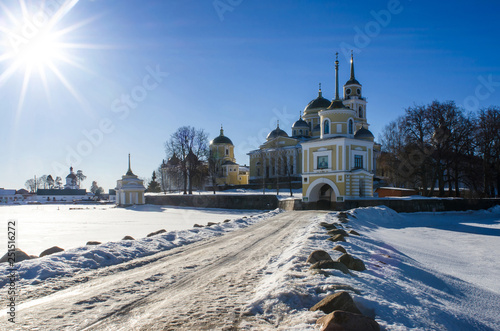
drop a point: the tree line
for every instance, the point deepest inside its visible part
(441, 150)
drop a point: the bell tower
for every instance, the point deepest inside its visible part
(353, 96)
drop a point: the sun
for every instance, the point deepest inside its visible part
(41, 51)
(35, 44)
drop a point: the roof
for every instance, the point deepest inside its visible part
(229, 163)
(276, 133)
(364, 134)
(61, 192)
(300, 123)
(221, 139)
(317, 103)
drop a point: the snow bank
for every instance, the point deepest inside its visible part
(111, 253)
(397, 289)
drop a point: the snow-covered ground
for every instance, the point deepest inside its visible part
(425, 271)
(69, 226)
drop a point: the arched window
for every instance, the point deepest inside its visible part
(300, 132)
(351, 130)
(326, 127)
(360, 112)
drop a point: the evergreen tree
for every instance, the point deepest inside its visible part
(154, 186)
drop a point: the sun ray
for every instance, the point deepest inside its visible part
(26, 80)
(83, 103)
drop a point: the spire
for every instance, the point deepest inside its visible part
(221, 130)
(278, 124)
(320, 94)
(336, 103)
(352, 67)
(129, 172)
(337, 76)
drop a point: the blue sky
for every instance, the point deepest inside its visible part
(240, 63)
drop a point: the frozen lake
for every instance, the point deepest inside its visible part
(68, 226)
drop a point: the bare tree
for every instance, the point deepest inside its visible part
(184, 141)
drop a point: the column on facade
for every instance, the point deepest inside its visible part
(295, 162)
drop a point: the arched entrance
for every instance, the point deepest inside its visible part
(323, 191)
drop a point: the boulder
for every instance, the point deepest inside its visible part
(353, 232)
(317, 256)
(18, 256)
(128, 238)
(52, 250)
(326, 264)
(342, 214)
(351, 262)
(343, 219)
(156, 232)
(337, 301)
(340, 249)
(342, 287)
(328, 226)
(211, 223)
(337, 237)
(227, 221)
(93, 243)
(337, 231)
(198, 226)
(345, 321)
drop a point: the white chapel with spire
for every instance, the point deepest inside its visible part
(130, 189)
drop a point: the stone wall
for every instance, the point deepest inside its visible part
(270, 202)
(223, 201)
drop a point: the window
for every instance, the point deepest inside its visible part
(358, 161)
(351, 127)
(300, 132)
(326, 127)
(227, 151)
(322, 162)
(360, 112)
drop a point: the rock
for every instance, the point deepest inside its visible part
(342, 214)
(325, 264)
(18, 256)
(128, 238)
(351, 262)
(337, 231)
(328, 226)
(343, 219)
(93, 243)
(317, 256)
(340, 249)
(337, 237)
(227, 221)
(198, 226)
(337, 301)
(353, 232)
(346, 321)
(156, 232)
(211, 223)
(52, 250)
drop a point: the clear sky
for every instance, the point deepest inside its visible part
(84, 83)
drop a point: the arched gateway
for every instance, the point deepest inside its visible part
(322, 190)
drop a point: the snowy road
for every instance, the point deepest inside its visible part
(202, 286)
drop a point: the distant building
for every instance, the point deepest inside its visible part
(71, 181)
(228, 172)
(130, 189)
(395, 192)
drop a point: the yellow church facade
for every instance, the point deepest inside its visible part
(227, 171)
(330, 151)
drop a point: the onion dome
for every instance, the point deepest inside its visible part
(71, 174)
(221, 139)
(318, 103)
(299, 124)
(364, 134)
(276, 133)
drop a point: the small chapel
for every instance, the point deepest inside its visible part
(130, 189)
(331, 150)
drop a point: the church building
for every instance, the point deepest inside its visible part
(331, 150)
(223, 163)
(130, 189)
